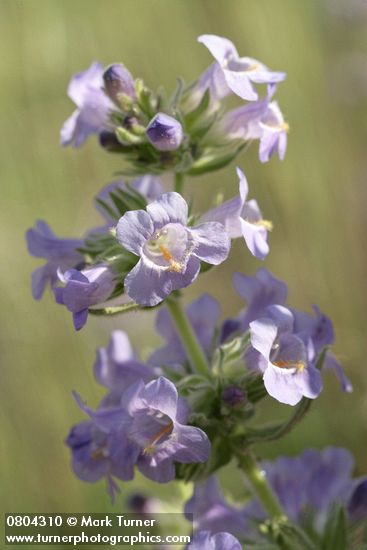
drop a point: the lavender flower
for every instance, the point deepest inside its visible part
(259, 292)
(118, 83)
(243, 218)
(93, 107)
(213, 81)
(274, 135)
(116, 367)
(282, 357)
(203, 315)
(261, 120)
(317, 332)
(97, 454)
(170, 252)
(204, 540)
(59, 253)
(308, 485)
(150, 423)
(165, 132)
(158, 429)
(239, 72)
(83, 289)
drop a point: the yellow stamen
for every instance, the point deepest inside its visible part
(100, 453)
(175, 266)
(299, 365)
(285, 126)
(164, 431)
(266, 224)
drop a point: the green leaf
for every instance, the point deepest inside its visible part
(176, 96)
(193, 116)
(126, 137)
(271, 433)
(212, 160)
(335, 533)
(229, 353)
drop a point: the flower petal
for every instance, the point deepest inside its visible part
(168, 208)
(133, 229)
(212, 243)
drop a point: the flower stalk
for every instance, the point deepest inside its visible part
(259, 486)
(188, 338)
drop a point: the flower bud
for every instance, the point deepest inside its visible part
(118, 82)
(165, 132)
(233, 396)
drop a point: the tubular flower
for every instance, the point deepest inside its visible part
(282, 357)
(240, 73)
(243, 218)
(59, 253)
(93, 107)
(169, 250)
(83, 289)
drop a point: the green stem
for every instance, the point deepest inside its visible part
(179, 181)
(188, 338)
(259, 485)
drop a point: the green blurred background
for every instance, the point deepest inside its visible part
(316, 199)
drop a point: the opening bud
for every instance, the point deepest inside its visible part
(165, 132)
(118, 82)
(232, 396)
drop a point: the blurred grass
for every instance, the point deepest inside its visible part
(316, 199)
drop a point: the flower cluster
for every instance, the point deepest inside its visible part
(187, 132)
(190, 407)
(314, 489)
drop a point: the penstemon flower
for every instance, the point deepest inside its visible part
(243, 218)
(240, 73)
(93, 107)
(59, 253)
(170, 252)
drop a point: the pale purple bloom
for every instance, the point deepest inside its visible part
(151, 419)
(170, 252)
(117, 367)
(308, 485)
(203, 315)
(93, 107)
(317, 332)
(118, 82)
(282, 357)
(211, 512)
(274, 133)
(149, 186)
(259, 292)
(98, 454)
(59, 253)
(205, 540)
(83, 289)
(165, 132)
(213, 81)
(242, 218)
(158, 429)
(240, 73)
